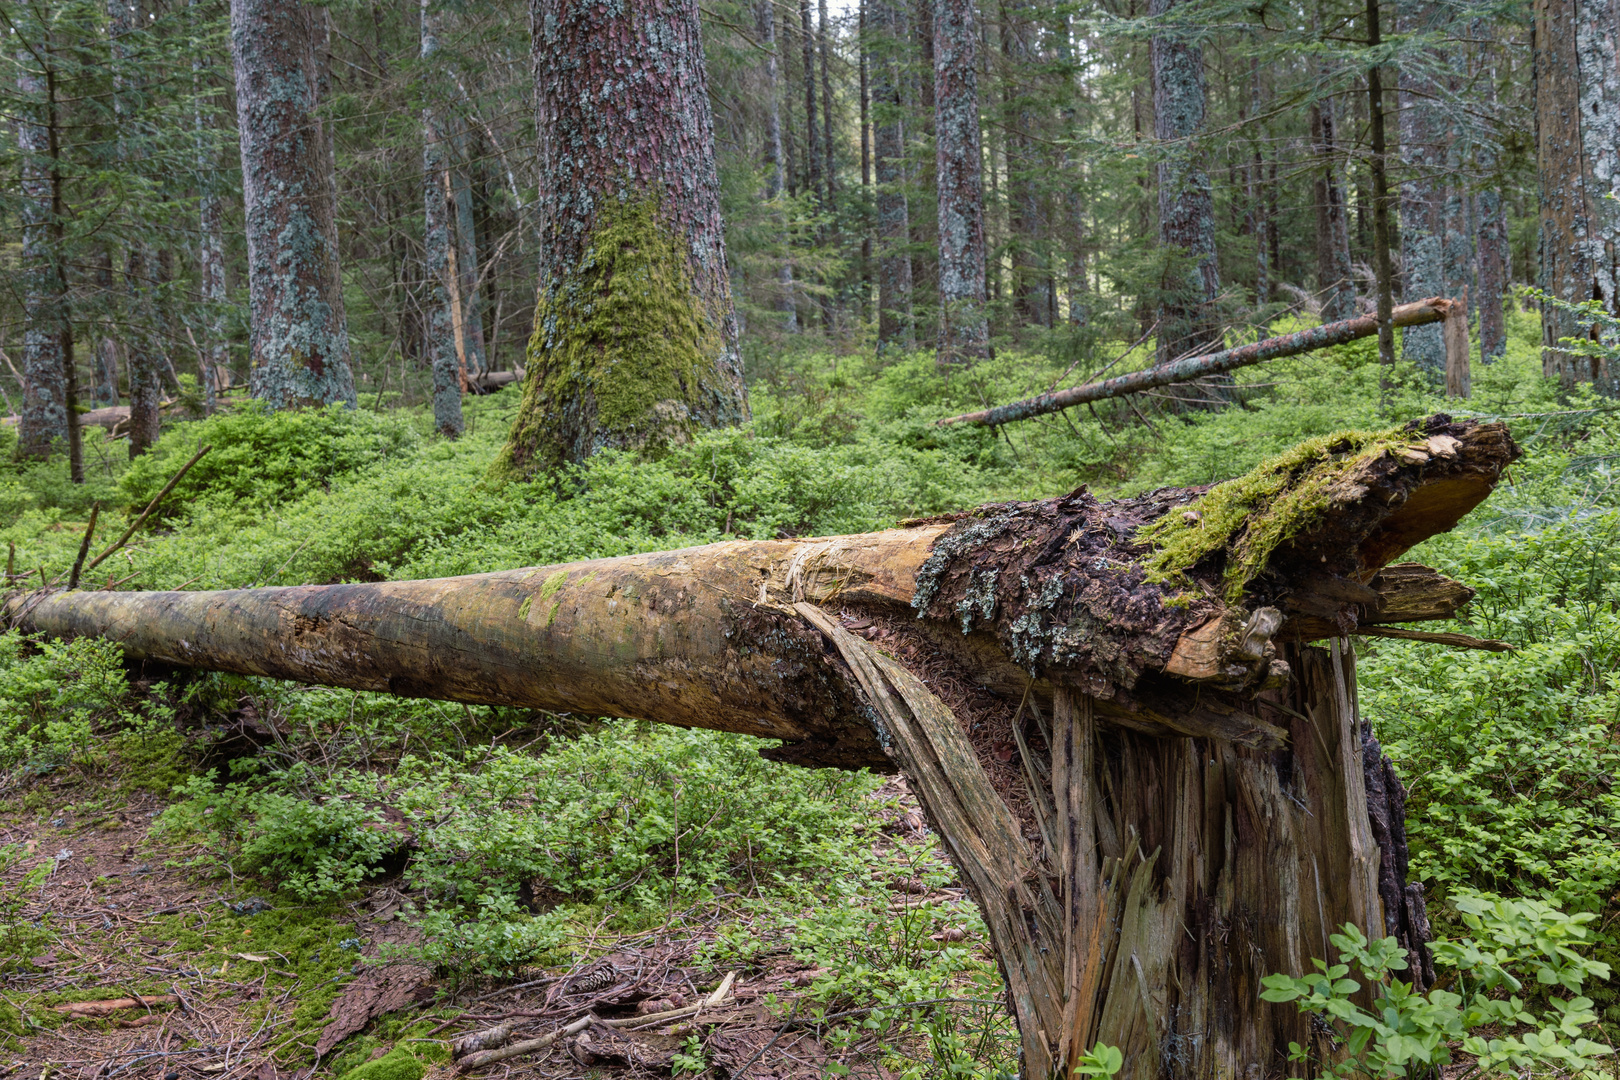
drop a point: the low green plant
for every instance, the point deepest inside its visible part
(1405, 1033)
(56, 697)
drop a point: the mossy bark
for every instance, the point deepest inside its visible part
(635, 339)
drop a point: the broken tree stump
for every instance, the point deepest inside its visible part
(1187, 809)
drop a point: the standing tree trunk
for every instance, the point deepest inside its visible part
(864, 59)
(1422, 194)
(42, 426)
(1378, 167)
(106, 348)
(1188, 320)
(635, 339)
(1578, 163)
(445, 316)
(469, 290)
(1031, 278)
(1183, 808)
(140, 264)
(812, 134)
(1259, 222)
(300, 334)
(1337, 289)
(775, 163)
(1493, 240)
(964, 335)
(210, 244)
(829, 207)
(893, 213)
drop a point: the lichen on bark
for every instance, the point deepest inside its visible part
(623, 352)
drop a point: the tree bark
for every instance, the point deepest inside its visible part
(1333, 274)
(775, 162)
(1577, 88)
(635, 339)
(42, 426)
(1188, 321)
(445, 317)
(1260, 223)
(895, 324)
(210, 248)
(1154, 802)
(300, 337)
(1422, 129)
(964, 334)
(106, 354)
(1031, 276)
(1493, 254)
(1378, 167)
(469, 289)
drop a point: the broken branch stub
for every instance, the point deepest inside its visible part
(1185, 810)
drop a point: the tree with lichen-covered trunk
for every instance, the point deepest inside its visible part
(445, 345)
(1188, 321)
(635, 335)
(300, 334)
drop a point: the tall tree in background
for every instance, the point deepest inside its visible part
(1333, 273)
(964, 333)
(775, 163)
(300, 335)
(140, 325)
(1422, 131)
(44, 421)
(1188, 320)
(1493, 235)
(635, 335)
(1578, 163)
(469, 291)
(210, 241)
(446, 340)
(888, 147)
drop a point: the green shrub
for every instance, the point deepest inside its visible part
(261, 458)
(56, 697)
(1515, 943)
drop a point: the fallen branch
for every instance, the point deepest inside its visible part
(1460, 641)
(1433, 310)
(496, 1035)
(112, 1005)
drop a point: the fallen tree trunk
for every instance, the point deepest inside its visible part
(1453, 313)
(1150, 782)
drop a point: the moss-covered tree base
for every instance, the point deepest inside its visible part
(626, 353)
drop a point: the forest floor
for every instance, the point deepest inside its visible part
(150, 971)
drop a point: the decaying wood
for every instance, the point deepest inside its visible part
(1435, 309)
(1187, 810)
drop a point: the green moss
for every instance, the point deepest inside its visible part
(397, 1064)
(623, 348)
(553, 582)
(523, 608)
(1247, 518)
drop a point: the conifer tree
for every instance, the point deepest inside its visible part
(300, 333)
(635, 339)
